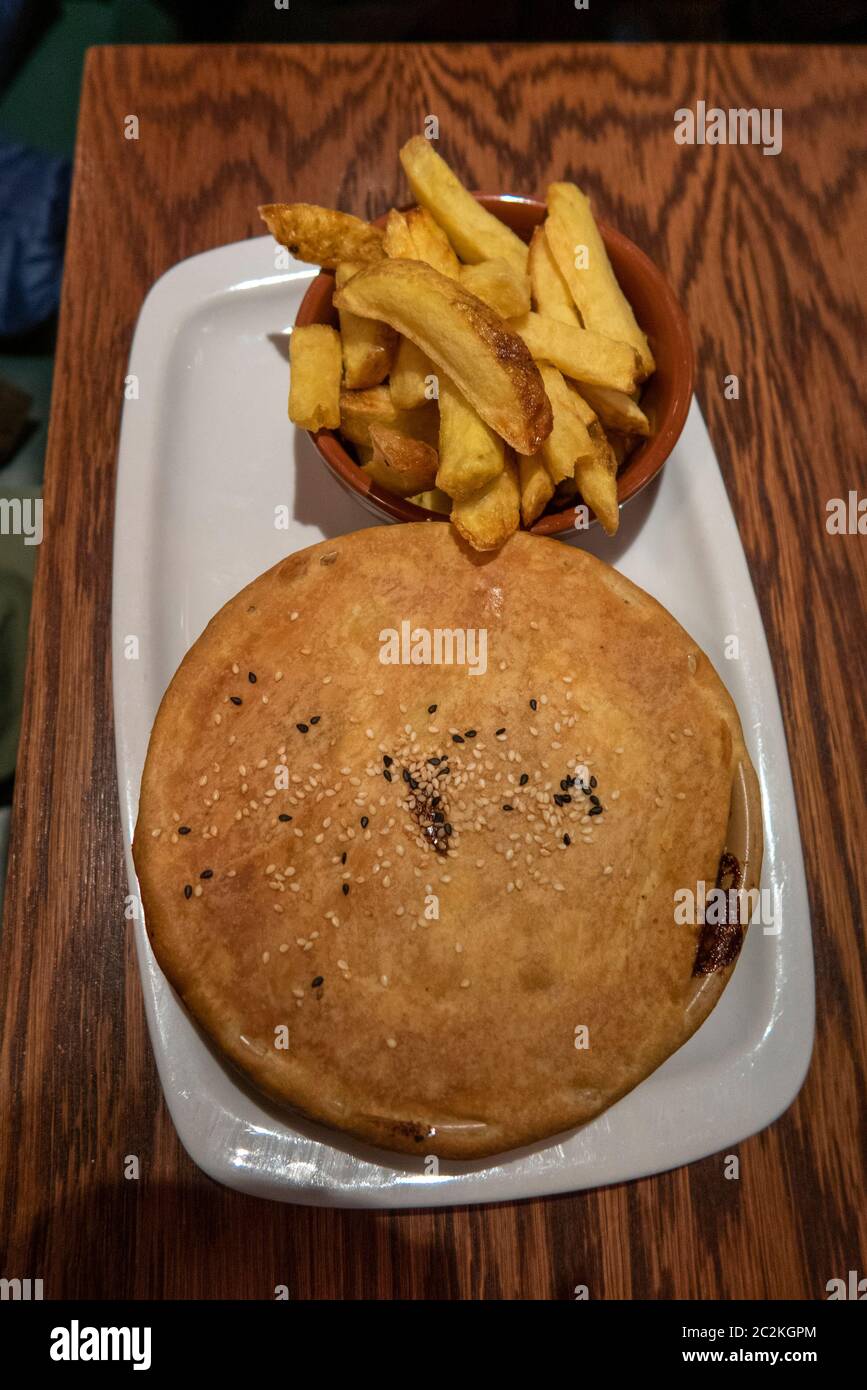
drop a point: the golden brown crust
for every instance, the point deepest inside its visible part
(550, 942)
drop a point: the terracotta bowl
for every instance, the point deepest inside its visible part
(665, 399)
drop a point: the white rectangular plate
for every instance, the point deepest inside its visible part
(206, 456)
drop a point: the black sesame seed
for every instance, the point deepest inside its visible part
(567, 839)
(431, 709)
(534, 704)
(387, 760)
(283, 816)
(498, 732)
(206, 873)
(565, 784)
(314, 984)
(316, 718)
(439, 818)
(183, 830)
(302, 728)
(507, 807)
(343, 857)
(524, 779)
(593, 781)
(595, 811)
(387, 775)
(456, 738)
(435, 799)
(405, 774)
(558, 798)
(346, 890)
(188, 890)
(470, 733)
(251, 677)
(364, 822)
(236, 699)
(594, 800)
(565, 799)
(434, 762)
(448, 828)
(443, 771)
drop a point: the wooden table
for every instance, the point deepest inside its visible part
(767, 255)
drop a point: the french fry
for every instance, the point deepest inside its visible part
(368, 346)
(321, 235)
(537, 488)
(402, 465)
(470, 453)
(551, 296)
(397, 239)
(315, 365)
(616, 410)
(599, 299)
(415, 236)
(597, 480)
(431, 243)
(493, 514)
(579, 353)
(434, 500)
(473, 232)
(500, 286)
(596, 477)
(361, 409)
(569, 440)
(488, 363)
(411, 376)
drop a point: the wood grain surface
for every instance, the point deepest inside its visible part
(767, 255)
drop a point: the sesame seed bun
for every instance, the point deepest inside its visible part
(431, 908)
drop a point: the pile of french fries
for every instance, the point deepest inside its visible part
(472, 374)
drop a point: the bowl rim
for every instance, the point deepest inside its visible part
(336, 455)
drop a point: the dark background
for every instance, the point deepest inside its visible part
(524, 21)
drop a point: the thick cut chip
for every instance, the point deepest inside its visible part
(474, 233)
(315, 365)
(434, 500)
(551, 295)
(368, 346)
(537, 488)
(405, 466)
(488, 362)
(492, 515)
(616, 410)
(321, 235)
(415, 236)
(569, 440)
(412, 376)
(361, 409)
(578, 248)
(470, 453)
(501, 287)
(578, 352)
